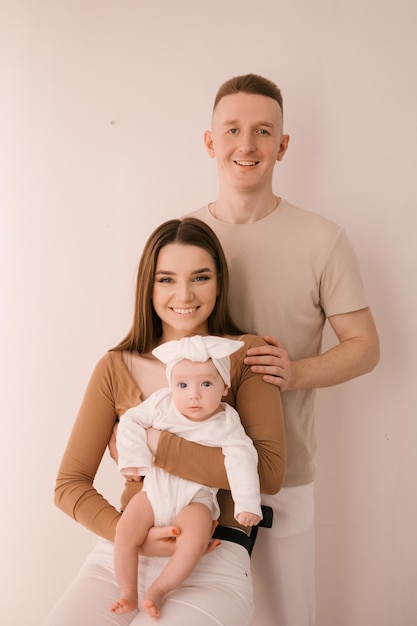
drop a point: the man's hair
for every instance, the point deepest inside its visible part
(252, 84)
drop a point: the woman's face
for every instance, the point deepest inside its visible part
(184, 291)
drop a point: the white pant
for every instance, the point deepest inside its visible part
(218, 592)
(283, 561)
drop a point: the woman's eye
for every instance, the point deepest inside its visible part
(201, 278)
(165, 280)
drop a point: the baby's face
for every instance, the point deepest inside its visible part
(197, 389)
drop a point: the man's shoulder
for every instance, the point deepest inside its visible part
(200, 213)
(286, 212)
(297, 214)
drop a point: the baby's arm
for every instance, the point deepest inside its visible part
(241, 462)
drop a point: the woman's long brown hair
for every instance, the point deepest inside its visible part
(146, 327)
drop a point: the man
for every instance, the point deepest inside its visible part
(290, 271)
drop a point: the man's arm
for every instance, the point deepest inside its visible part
(356, 353)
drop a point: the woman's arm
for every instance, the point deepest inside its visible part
(259, 406)
(75, 493)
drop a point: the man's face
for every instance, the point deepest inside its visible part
(246, 139)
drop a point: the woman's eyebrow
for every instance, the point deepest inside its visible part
(203, 270)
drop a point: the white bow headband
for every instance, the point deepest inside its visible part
(199, 348)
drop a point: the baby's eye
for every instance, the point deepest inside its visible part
(206, 383)
(182, 385)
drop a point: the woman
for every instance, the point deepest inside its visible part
(182, 287)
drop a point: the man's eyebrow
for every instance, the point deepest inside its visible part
(259, 123)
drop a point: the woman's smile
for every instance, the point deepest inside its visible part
(185, 311)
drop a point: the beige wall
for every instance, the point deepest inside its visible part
(102, 110)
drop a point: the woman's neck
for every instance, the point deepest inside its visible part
(170, 334)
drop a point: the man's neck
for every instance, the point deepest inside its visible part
(241, 208)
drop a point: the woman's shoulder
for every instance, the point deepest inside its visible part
(112, 375)
(111, 368)
(237, 358)
(112, 360)
(250, 341)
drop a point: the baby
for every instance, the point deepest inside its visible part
(198, 372)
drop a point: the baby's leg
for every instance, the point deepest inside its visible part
(131, 532)
(195, 524)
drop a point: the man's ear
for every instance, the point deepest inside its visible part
(283, 146)
(208, 142)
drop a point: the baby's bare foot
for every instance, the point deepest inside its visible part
(150, 608)
(124, 605)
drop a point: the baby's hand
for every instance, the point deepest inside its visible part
(248, 519)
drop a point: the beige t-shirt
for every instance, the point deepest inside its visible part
(288, 272)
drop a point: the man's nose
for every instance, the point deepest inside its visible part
(247, 142)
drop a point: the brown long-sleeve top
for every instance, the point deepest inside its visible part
(112, 390)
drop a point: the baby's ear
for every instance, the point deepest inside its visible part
(225, 390)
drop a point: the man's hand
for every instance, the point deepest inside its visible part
(160, 541)
(272, 361)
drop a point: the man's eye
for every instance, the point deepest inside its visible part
(232, 131)
(263, 131)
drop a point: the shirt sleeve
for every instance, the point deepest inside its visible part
(75, 493)
(341, 286)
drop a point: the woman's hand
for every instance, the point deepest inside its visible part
(152, 436)
(160, 541)
(112, 444)
(272, 361)
(152, 439)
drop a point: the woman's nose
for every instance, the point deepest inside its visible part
(184, 291)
